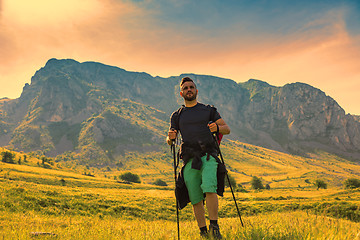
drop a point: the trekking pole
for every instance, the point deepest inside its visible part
(175, 177)
(227, 176)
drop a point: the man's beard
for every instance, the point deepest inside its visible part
(190, 98)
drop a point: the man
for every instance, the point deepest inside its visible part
(196, 123)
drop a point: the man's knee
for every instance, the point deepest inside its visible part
(209, 194)
(198, 205)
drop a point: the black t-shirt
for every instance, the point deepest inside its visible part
(193, 123)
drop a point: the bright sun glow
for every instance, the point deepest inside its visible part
(56, 11)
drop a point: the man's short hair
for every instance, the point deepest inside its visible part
(186, 79)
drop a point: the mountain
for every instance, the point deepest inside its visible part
(95, 113)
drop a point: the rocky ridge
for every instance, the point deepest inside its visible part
(98, 112)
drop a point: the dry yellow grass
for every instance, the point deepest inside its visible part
(71, 205)
(290, 225)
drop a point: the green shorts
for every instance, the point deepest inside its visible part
(201, 181)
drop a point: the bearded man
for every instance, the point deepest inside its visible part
(196, 123)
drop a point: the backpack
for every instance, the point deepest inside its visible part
(212, 114)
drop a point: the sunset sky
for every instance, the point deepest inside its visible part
(277, 41)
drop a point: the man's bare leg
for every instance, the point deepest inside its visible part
(199, 212)
(212, 204)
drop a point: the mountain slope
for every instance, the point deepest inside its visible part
(99, 112)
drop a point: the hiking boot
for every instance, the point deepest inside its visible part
(215, 231)
(204, 235)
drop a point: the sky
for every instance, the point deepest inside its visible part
(277, 41)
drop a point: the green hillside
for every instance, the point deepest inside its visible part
(278, 170)
(71, 201)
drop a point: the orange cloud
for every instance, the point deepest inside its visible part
(125, 35)
(31, 32)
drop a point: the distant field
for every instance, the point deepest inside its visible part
(279, 170)
(72, 205)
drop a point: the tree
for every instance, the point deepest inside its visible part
(240, 188)
(8, 157)
(352, 183)
(160, 182)
(63, 182)
(46, 162)
(130, 177)
(319, 183)
(256, 183)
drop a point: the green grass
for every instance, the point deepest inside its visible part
(276, 226)
(85, 209)
(72, 205)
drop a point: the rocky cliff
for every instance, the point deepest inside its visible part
(98, 112)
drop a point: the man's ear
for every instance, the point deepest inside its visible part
(181, 94)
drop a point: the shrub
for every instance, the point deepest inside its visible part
(320, 184)
(63, 182)
(232, 181)
(352, 183)
(240, 188)
(160, 182)
(8, 157)
(256, 183)
(130, 177)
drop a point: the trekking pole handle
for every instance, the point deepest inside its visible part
(215, 134)
(173, 140)
(217, 130)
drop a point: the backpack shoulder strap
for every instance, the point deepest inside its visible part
(212, 116)
(178, 113)
(212, 111)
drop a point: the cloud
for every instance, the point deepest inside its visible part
(277, 42)
(31, 32)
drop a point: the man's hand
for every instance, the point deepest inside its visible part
(213, 127)
(171, 136)
(219, 126)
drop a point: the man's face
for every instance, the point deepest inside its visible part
(188, 91)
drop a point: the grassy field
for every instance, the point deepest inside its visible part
(279, 170)
(289, 225)
(67, 204)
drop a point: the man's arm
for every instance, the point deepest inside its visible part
(223, 127)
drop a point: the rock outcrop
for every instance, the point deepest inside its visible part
(100, 112)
